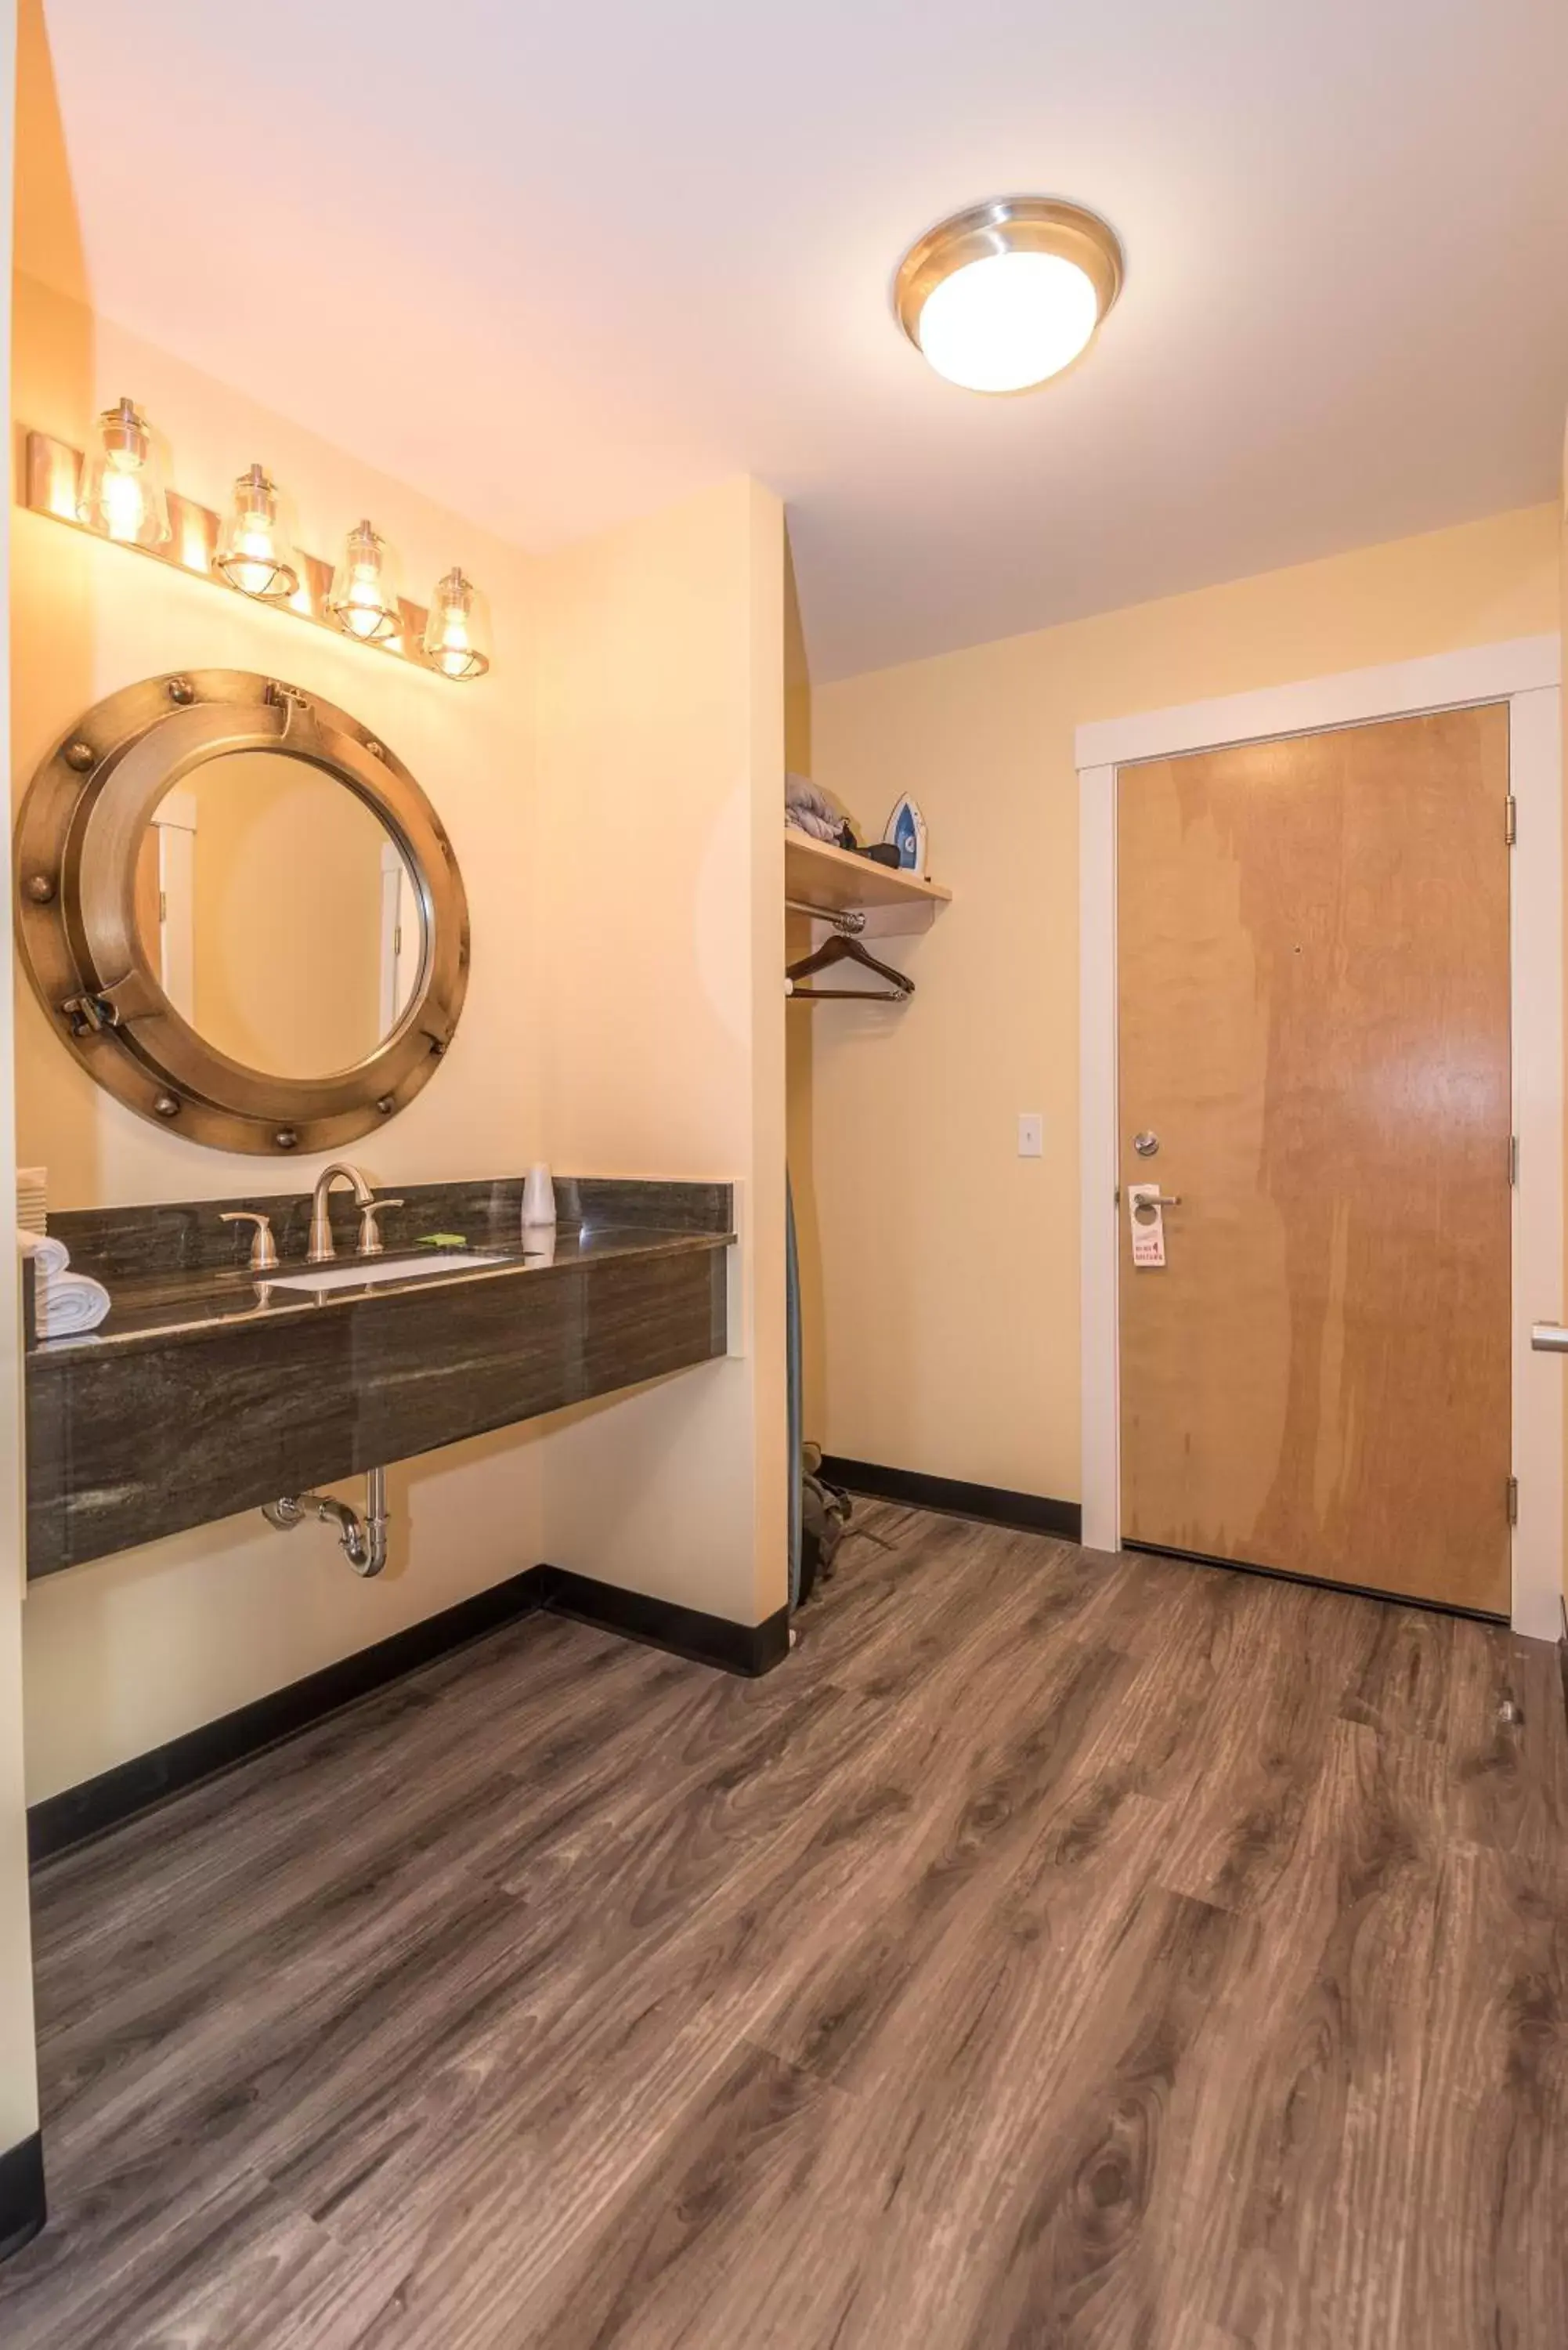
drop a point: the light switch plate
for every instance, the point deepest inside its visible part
(1031, 1134)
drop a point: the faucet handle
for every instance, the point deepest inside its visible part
(369, 1234)
(264, 1248)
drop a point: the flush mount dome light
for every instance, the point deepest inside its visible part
(1007, 294)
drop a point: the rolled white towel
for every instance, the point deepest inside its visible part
(71, 1303)
(66, 1304)
(48, 1255)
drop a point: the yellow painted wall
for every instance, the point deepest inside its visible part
(660, 755)
(88, 618)
(19, 2071)
(610, 1025)
(946, 1274)
(131, 1650)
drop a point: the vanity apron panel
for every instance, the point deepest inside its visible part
(125, 1445)
(432, 1365)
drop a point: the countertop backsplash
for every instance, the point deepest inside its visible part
(136, 1244)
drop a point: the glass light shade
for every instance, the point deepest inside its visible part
(363, 597)
(123, 492)
(1008, 321)
(457, 634)
(253, 554)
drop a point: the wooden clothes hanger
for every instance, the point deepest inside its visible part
(839, 949)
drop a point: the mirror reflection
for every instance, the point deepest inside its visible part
(279, 914)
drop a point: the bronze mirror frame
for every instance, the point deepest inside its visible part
(78, 834)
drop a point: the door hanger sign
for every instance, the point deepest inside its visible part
(1146, 1218)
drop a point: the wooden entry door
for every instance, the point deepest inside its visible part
(1313, 943)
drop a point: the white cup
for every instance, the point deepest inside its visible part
(538, 1199)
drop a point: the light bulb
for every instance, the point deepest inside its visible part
(456, 636)
(124, 504)
(1008, 321)
(363, 597)
(122, 490)
(364, 612)
(255, 555)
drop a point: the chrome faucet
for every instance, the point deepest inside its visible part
(321, 1249)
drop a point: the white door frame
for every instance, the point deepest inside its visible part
(175, 819)
(1526, 673)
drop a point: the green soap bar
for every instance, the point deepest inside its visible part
(441, 1240)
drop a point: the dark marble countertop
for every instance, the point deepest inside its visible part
(156, 1307)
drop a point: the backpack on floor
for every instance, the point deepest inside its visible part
(824, 1511)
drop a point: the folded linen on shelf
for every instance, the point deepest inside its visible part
(811, 811)
(818, 826)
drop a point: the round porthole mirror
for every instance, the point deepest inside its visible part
(240, 912)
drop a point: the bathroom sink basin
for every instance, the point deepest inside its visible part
(353, 1275)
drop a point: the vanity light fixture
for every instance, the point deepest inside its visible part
(253, 554)
(457, 635)
(1005, 295)
(118, 492)
(363, 597)
(123, 483)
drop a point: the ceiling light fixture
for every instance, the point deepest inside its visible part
(1003, 296)
(122, 486)
(255, 555)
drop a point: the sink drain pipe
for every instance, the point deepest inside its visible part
(364, 1539)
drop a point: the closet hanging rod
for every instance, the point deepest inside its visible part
(847, 995)
(796, 994)
(843, 918)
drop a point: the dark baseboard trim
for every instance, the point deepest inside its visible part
(1034, 1512)
(62, 1822)
(748, 1648)
(23, 2209)
(69, 1818)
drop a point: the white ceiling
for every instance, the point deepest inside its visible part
(559, 264)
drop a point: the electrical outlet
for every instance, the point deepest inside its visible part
(1031, 1134)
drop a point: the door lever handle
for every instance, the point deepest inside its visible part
(1549, 1339)
(1150, 1202)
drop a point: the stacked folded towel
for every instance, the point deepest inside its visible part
(66, 1303)
(31, 1198)
(810, 810)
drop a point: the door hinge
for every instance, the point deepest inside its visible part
(1513, 1501)
(1510, 820)
(1513, 1160)
(1118, 1198)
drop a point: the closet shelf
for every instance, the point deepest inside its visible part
(894, 902)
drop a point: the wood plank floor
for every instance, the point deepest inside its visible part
(1058, 1952)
